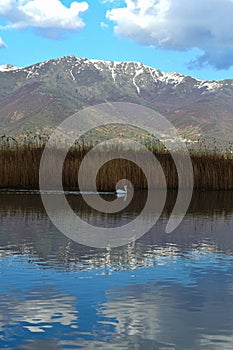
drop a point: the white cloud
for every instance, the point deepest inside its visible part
(180, 25)
(42, 14)
(103, 25)
(2, 44)
(115, 2)
(5, 5)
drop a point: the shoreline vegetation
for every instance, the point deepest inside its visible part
(19, 168)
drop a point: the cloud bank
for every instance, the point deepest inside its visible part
(47, 16)
(180, 25)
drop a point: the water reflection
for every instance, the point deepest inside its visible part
(165, 291)
(41, 309)
(25, 229)
(177, 315)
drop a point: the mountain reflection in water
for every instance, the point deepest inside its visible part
(165, 291)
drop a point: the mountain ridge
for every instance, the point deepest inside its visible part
(113, 64)
(38, 97)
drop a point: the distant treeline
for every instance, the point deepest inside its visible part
(19, 169)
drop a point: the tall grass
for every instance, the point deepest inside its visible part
(19, 169)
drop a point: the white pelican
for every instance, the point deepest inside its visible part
(122, 192)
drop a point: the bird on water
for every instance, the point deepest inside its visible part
(120, 191)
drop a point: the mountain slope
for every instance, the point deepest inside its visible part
(39, 97)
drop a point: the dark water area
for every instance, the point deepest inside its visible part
(164, 291)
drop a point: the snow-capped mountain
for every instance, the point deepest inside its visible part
(138, 73)
(40, 96)
(8, 67)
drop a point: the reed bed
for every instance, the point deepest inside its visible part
(19, 169)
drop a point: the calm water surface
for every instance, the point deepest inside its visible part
(166, 291)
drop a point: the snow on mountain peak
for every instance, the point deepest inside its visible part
(8, 67)
(137, 73)
(135, 69)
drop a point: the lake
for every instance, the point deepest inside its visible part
(164, 291)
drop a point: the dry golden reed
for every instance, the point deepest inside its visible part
(19, 169)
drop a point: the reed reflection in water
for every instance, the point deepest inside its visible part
(165, 291)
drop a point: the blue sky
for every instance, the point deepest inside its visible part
(193, 38)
